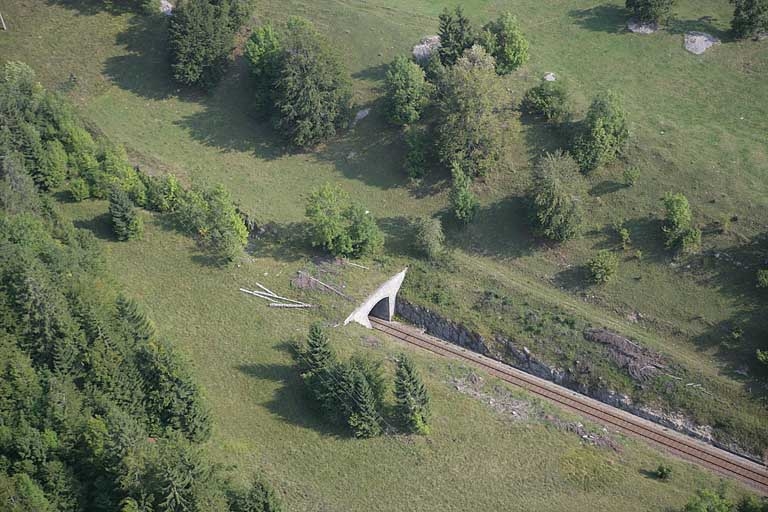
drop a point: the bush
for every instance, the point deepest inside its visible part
(463, 201)
(631, 176)
(750, 17)
(555, 197)
(309, 88)
(429, 237)
(126, 223)
(200, 38)
(417, 140)
(548, 100)
(677, 224)
(407, 91)
(469, 128)
(603, 134)
(663, 472)
(164, 194)
(762, 278)
(505, 41)
(651, 11)
(79, 190)
(340, 226)
(603, 266)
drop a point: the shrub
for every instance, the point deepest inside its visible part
(469, 129)
(663, 472)
(126, 223)
(623, 233)
(259, 497)
(651, 11)
(603, 134)
(603, 266)
(631, 176)
(417, 140)
(548, 100)
(762, 278)
(263, 52)
(677, 224)
(429, 237)
(707, 500)
(340, 226)
(407, 91)
(79, 190)
(456, 35)
(164, 194)
(463, 201)
(750, 17)
(504, 40)
(555, 197)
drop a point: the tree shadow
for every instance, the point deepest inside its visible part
(544, 137)
(605, 187)
(144, 69)
(648, 237)
(501, 230)
(91, 7)
(230, 120)
(400, 235)
(100, 226)
(704, 24)
(574, 279)
(601, 18)
(290, 401)
(371, 151)
(283, 242)
(374, 73)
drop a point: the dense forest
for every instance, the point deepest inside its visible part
(96, 411)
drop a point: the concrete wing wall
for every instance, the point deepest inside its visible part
(387, 290)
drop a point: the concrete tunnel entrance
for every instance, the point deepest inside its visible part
(379, 304)
(381, 310)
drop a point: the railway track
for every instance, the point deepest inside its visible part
(751, 473)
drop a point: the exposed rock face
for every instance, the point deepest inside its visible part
(521, 358)
(698, 42)
(427, 45)
(636, 26)
(438, 326)
(550, 77)
(166, 7)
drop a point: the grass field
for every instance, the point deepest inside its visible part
(699, 125)
(475, 458)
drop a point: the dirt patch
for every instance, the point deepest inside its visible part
(699, 42)
(641, 363)
(599, 439)
(638, 27)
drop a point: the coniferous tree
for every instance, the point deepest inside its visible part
(259, 497)
(412, 401)
(456, 35)
(603, 135)
(363, 415)
(126, 222)
(139, 326)
(750, 17)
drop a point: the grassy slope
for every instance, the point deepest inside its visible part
(474, 459)
(687, 120)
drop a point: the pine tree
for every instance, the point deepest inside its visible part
(455, 35)
(364, 417)
(126, 222)
(318, 353)
(412, 401)
(139, 326)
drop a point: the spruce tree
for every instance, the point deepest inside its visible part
(126, 223)
(139, 326)
(455, 35)
(412, 401)
(463, 201)
(557, 186)
(364, 417)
